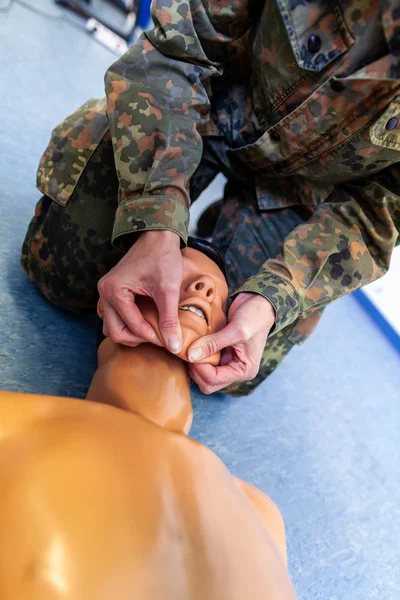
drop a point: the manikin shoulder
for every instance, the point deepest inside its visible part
(116, 496)
(93, 437)
(268, 511)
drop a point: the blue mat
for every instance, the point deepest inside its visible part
(321, 437)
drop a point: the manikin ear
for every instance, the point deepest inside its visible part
(100, 309)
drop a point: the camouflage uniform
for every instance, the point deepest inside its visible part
(296, 102)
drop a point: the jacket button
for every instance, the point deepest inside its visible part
(275, 136)
(392, 123)
(314, 44)
(337, 86)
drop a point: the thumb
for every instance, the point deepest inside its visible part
(211, 344)
(168, 321)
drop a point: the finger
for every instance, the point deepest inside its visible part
(117, 330)
(167, 306)
(204, 387)
(131, 316)
(232, 334)
(211, 379)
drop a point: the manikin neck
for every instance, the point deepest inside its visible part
(147, 380)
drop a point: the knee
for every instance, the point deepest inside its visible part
(58, 282)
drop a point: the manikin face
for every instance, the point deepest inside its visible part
(202, 301)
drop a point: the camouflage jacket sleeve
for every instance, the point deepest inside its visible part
(156, 98)
(346, 244)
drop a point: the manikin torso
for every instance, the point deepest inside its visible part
(109, 499)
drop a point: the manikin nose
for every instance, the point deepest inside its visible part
(203, 286)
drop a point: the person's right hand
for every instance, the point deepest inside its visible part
(152, 267)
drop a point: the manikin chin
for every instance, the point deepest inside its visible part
(108, 498)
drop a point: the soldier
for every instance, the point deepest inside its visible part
(297, 103)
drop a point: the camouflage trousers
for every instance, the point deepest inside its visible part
(67, 249)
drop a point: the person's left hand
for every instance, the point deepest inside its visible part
(242, 342)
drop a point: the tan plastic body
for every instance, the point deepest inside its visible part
(108, 499)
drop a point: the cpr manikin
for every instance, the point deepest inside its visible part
(108, 499)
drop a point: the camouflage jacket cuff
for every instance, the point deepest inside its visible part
(149, 213)
(279, 292)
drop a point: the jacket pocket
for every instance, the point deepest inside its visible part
(334, 119)
(385, 132)
(369, 150)
(71, 145)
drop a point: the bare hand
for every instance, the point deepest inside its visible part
(242, 342)
(153, 267)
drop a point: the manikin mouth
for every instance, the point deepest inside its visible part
(196, 310)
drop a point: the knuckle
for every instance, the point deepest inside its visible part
(168, 322)
(116, 337)
(209, 380)
(134, 344)
(212, 346)
(102, 286)
(241, 331)
(207, 389)
(168, 288)
(252, 370)
(252, 373)
(206, 380)
(107, 288)
(118, 293)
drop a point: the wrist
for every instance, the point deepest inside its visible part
(266, 308)
(162, 237)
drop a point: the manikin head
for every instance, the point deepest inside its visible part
(202, 301)
(203, 298)
(148, 380)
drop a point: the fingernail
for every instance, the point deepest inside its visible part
(196, 354)
(174, 344)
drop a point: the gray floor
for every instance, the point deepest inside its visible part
(321, 437)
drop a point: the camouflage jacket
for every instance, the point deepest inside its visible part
(307, 95)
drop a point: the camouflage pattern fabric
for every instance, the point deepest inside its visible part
(248, 237)
(297, 102)
(68, 248)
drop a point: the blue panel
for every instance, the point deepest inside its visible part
(379, 319)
